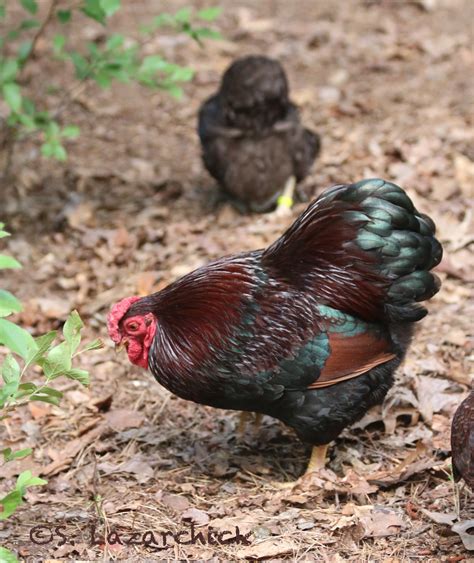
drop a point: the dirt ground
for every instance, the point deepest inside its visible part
(388, 85)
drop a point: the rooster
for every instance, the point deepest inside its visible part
(252, 140)
(310, 330)
(462, 441)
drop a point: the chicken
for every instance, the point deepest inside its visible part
(252, 140)
(309, 330)
(462, 441)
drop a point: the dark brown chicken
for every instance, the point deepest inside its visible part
(252, 140)
(309, 330)
(462, 441)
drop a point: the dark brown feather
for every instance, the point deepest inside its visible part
(462, 441)
(251, 135)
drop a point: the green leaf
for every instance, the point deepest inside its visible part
(8, 70)
(28, 24)
(70, 131)
(109, 6)
(10, 370)
(183, 15)
(7, 556)
(47, 395)
(103, 79)
(63, 15)
(94, 345)
(80, 375)
(181, 74)
(54, 149)
(10, 503)
(163, 20)
(9, 455)
(115, 41)
(58, 44)
(57, 361)
(209, 14)
(72, 331)
(43, 343)
(204, 33)
(12, 95)
(81, 65)
(24, 50)
(30, 5)
(8, 303)
(26, 480)
(173, 89)
(7, 392)
(152, 64)
(8, 262)
(94, 10)
(25, 389)
(17, 339)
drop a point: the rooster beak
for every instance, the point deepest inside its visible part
(123, 344)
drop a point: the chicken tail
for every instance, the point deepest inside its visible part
(364, 249)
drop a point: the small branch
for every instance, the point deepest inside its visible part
(40, 32)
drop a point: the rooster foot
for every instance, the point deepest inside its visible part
(316, 463)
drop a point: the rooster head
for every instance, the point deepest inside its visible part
(134, 332)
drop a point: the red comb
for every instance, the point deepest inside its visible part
(116, 314)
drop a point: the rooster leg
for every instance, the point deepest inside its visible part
(285, 201)
(244, 419)
(318, 459)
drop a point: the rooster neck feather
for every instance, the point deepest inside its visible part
(198, 314)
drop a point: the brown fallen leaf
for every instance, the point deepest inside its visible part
(267, 549)
(465, 530)
(122, 419)
(382, 522)
(247, 21)
(145, 282)
(196, 516)
(137, 467)
(81, 215)
(431, 396)
(178, 503)
(39, 410)
(440, 517)
(415, 462)
(464, 168)
(72, 448)
(52, 307)
(357, 484)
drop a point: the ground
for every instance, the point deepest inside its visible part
(388, 87)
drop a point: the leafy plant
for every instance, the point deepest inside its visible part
(25, 353)
(117, 58)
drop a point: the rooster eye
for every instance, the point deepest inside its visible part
(133, 326)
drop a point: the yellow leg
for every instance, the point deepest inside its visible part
(285, 201)
(318, 459)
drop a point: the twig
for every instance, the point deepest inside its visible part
(39, 33)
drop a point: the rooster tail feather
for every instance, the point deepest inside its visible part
(364, 249)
